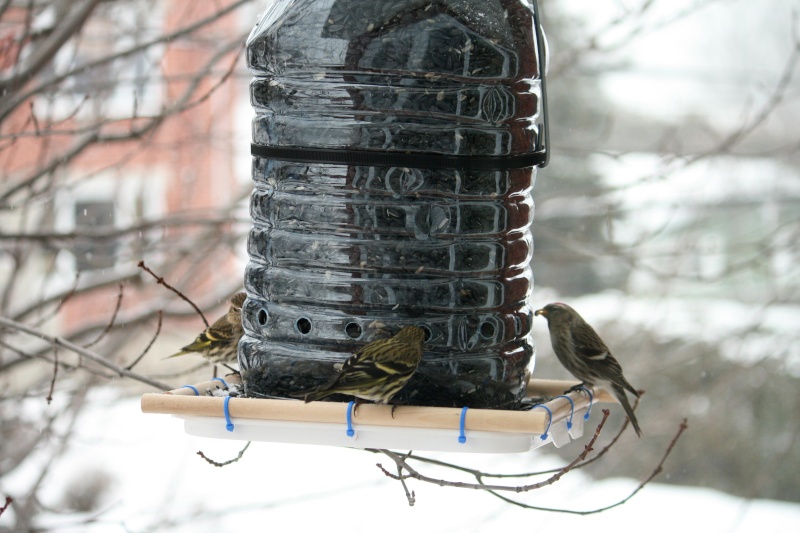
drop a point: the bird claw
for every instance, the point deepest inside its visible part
(234, 372)
(575, 388)
(355, 405)
(529, 402)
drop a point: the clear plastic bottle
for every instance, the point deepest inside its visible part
(395, 145)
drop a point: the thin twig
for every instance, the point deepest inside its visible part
(53, 379)
(9, 106)
(33, 119)
(622, 429)
(110, 322)
(69, 295)
(226, 463)
(412, 473)
(185, 218)
(410, 496)
(658, 469)
(150, 344)
(24, 357)
(61, 298)
(480, 475)
(161, 281)
(58, 341)
(9, 500)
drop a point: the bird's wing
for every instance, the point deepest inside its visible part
(221, 330)
(588, 343)
(590, 346)
(369, 364)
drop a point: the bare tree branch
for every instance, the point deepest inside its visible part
(183, 103)
(401, 463)
(13, 103)
(55, 373)
(150, 344)
(182, 296)
(44, 52)
(111, 320)
(56, 341)
(657, 470)
(229, 461)
(9, 501)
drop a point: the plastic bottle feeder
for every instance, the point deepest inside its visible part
(395, 147)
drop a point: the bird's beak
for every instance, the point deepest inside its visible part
(541, 312)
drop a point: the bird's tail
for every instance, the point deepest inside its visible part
(619, 392)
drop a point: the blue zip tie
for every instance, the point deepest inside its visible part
(350, 431)
(196, 392)
(549, 421)
(572, 412)
(224, 384)
(228, 423)
(462, 438)
(591, 401)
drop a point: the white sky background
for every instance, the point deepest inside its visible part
(719, 65)
(715, 62)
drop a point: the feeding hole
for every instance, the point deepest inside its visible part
(353, 330)
(262, 317)
(303, 325)
(427, 333)
(487, 330)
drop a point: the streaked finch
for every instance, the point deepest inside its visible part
(584, 354)
(220, 341)
(377, 371)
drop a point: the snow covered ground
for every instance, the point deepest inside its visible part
(160, 484)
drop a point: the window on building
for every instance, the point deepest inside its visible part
(94, 254)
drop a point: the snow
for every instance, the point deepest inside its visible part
(159, 483)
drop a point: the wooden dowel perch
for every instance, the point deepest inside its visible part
(184, 402)
(556, 387)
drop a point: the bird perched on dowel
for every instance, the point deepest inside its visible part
(377, 371)
(220, 341)
(584, 354)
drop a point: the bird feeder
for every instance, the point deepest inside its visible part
(395, 147)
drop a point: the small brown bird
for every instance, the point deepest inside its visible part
(584, 354)
(220, 341)
(377, 371)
